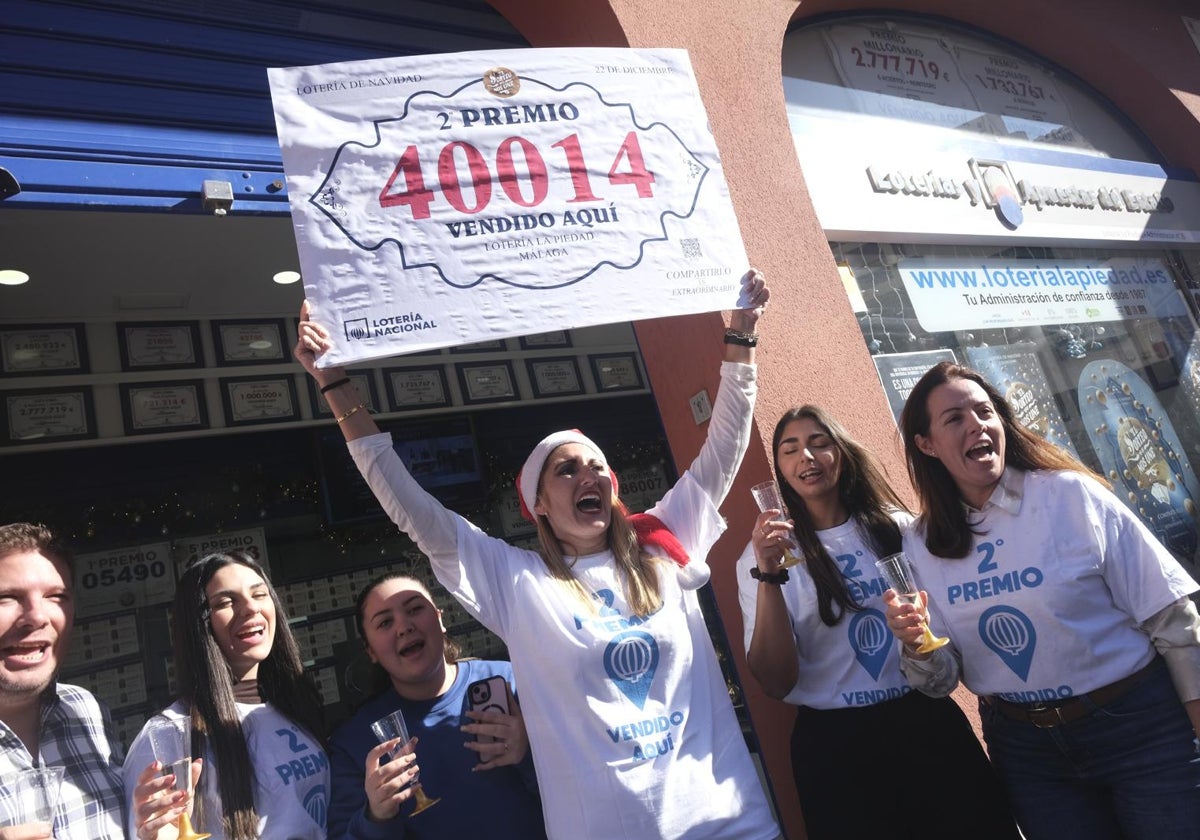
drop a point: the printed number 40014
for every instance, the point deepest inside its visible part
(417, 197)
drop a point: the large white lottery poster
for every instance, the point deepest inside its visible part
(446, 199)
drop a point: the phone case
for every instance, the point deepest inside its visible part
(488, 695)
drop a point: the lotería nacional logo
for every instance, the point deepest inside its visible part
(361, 329)
(357, 328)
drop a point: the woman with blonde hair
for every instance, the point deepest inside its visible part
(629, 718)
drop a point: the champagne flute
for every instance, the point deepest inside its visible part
(898, 575)
(30, 796)
(389, 728)
(768, 497)
(171, 740)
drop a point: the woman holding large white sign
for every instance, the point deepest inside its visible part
(628, 714)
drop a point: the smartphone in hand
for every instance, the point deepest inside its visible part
(488, 695)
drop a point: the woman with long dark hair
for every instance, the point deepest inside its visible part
(486, 785)
(629, 717)
(256, 718)
(1068, 618)
(816, 637)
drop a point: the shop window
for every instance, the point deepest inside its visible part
(986, 207)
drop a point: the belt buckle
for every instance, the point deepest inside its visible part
(1041, 709)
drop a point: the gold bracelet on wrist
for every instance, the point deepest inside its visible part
(352, 412)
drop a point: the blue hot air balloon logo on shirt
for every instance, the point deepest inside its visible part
(631, 659)
(314, 803)
(1010, 634)
(871, 640)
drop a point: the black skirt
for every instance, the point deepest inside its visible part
(907, 768)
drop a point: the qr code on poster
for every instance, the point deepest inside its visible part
(691, 249)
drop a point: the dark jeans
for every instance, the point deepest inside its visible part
(1126, 771)
(907, 769)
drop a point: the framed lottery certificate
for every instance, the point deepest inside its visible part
(253, 400)
(41, 349)
(412, 388)
(554, 377)
(557, 338)
(162, 345)
(250, 342)
(156, 407)
(47, 415)
(616, 372)
(487, 382)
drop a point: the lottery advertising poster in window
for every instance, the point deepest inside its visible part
(1141, 453)
(1189, 379)
(900, 372)
(449, 199)
(1014, 371)
(252, 541)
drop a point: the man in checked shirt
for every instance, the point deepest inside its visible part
(42, 721)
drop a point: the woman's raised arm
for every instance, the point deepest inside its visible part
(348, 406)
(729, 429)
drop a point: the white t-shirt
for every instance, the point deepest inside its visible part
(291, 775)
(855, 662)
(1047, 603)
(632, 729)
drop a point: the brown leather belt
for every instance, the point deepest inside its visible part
(1061, 712)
